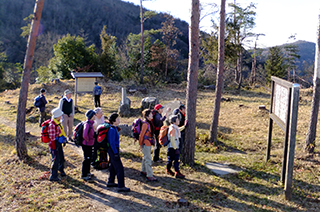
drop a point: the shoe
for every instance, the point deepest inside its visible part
(179, 175)
(152, 179)
(54, 179)
(143, 174)
(158, 161)
(123, 189)
(63, 174)
(109, 185)
(169, 172)
(91, 175)
(70, 139)
(87, 179)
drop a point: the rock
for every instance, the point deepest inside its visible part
(132, 89)
(57, 97)
(7, 102)
(262, 107)
(209, 87)
(125, 130)
(149, 103)
(50, 100)
(225, 99)
(124, 110)
(29, 110)
(183, 202)
(12, 106)
(32, 119)
(241, 105)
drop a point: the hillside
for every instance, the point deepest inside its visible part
(77, 17)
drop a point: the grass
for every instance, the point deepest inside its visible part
(243, 130)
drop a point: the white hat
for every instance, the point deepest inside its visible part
(67, 92)
(57, 112)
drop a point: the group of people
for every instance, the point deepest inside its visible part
(60, 130)
(149, 135)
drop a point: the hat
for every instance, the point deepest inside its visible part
(158, 107)
(90, 114)
(67, 92)
(57, 112)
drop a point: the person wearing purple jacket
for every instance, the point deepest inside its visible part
(87, 145)
(158, 120)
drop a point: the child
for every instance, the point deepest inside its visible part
(173, 147)
(146, 140)
(57, 138)
(87, 145)
(116, 167)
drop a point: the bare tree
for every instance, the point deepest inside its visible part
(254, 61)
(311, 134)
(219, 84)
(21, 114)
(193, 66)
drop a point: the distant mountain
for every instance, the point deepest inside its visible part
(306, 52)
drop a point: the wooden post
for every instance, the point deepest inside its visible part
(292, 140)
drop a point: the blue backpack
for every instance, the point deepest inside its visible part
(37, 101)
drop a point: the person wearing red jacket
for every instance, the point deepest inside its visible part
(57, 139)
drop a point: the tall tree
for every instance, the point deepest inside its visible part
(193, 66)
(21, 146)
(254, 61)
(240, 22)
(311, 134)
(291, 54)
(275, 63)
(169, 36)
(219, 83)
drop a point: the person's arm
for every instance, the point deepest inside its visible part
(111, 138)
(61, 104)
(182, 128)
(143, 131)
(85, 132)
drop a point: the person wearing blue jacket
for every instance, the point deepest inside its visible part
(42, 106)
(116, 167)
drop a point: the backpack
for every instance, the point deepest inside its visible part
(37, 101)
(44, 131)
(164, 137)
(102, 161)
(98, 91)
(136, 128)
(78, 134)
(102, 131)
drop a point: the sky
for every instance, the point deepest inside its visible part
(276, 19)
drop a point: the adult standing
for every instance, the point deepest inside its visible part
(57, 139)
(146, 140)
(116, 167)
(87, 146)
(158, 122)
(181, 113)
(67, 107)
(97, 91)
(41, 102)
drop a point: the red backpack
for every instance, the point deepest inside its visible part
(44, 131)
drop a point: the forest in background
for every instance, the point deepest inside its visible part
(86, 20)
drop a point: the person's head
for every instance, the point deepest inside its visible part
(174, 119)
(98, 112)
(114, 119)
(68, 93)
(42, 91)
(57, 113)
(182, 109)
(96, 83)
(159, 108)
(147, 114)
(166, 122)
(90, 114)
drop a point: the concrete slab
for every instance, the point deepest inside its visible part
(220, 169)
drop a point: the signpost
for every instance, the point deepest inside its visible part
(284, 111)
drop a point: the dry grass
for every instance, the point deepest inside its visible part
(243, 133)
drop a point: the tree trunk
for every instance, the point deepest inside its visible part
(219, 83)
(311, 134)
(142, 42)
(254, 63)
(21, 113)
(193, 66)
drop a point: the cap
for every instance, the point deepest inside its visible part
(67, 92)
(158, 107)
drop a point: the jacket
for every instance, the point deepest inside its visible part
(114, 139)
(43, 103)
(54, 131)
(158, 120)
(88, 133)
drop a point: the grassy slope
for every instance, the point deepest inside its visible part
(243, 133)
